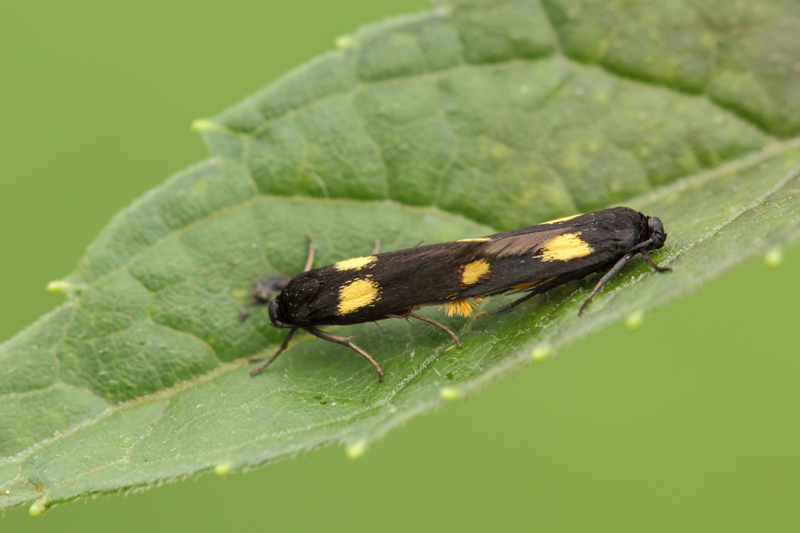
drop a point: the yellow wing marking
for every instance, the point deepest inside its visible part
(356, 294)
(523, 286)
(561, 219)
(529, 284)
(472, 272)
(565, 248)
(355, 263)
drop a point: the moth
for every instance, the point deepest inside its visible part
(458, 274)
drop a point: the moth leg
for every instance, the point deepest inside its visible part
(646, 256)
(407, 316)
(345, 341)
(404, 314)
(377, 247)
(602, 283)
(378, 324)
(507, 306)
(284, 345)
(310, 254)
(438, 325)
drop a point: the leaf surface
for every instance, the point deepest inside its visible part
(478, 116)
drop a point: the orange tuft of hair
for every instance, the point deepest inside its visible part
(461, 307)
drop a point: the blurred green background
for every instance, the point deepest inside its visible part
(691, 423)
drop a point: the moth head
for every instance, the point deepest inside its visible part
(276, 314)
(657, 233)
(291, 307)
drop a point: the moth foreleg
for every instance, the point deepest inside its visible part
(605, 279)
(284, 345)
(345, 341)
(646, 257)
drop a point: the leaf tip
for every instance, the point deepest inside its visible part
(345, 41)
(540, 353)
(356, 450)
(62, 287)
(450, 394)
(774, 258)
(37, 509)
(634, 320)
(203, 124)
(223, 469)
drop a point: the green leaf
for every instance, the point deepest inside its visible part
(479, 116)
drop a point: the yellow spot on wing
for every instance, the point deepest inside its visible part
(479, 239)
(561, 219)
(461, 307)
(355, 263)
(356, 294)
(472, 272)
(565, 247)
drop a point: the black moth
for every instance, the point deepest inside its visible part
(455, 274)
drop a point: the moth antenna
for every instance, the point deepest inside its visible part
(284, 345)
(310, 254)
(438, 325)
(345, 341)
(377, 247)
(608, 275)
(420, 242)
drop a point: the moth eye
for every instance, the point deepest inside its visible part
(655, 225)
(656, 231)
